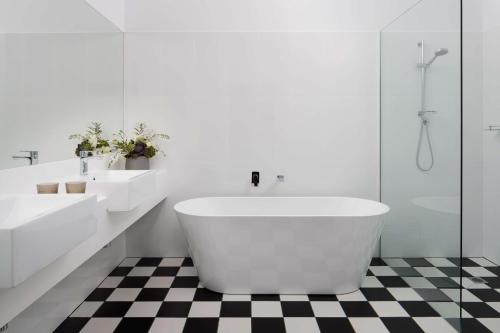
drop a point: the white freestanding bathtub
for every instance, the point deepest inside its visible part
(281, 245)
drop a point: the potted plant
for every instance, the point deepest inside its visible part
(92, 140)
(138, 150)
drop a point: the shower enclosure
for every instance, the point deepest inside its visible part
(421, 153)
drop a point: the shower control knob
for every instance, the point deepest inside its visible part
(422, 113)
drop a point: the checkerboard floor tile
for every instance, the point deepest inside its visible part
(397, 295)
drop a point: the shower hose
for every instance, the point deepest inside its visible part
(424, 125)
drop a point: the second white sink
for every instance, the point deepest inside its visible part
(124, 189)
(35, 230)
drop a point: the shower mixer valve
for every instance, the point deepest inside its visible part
(422, 113)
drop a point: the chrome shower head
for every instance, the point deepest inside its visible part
(440, 52)
(437, 53)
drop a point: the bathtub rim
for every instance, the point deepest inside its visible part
(178, 208)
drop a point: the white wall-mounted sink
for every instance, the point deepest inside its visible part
(35, 230)
(124, 189)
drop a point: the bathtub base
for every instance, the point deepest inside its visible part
(281, 254)
(282, 290)
(280, 257)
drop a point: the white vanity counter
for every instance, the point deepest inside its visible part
(106, 225)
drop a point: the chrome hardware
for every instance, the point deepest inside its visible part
(493, 128)
(32, 157)
(423, 113)
(424, 66)
(84, 161)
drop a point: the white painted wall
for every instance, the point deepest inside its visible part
(302, 104)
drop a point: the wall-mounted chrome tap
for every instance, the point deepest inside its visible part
(32, 156)
(255, 178)
(84, 161)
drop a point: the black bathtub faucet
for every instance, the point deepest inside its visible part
(255, 178)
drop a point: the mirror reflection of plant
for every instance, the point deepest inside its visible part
(143, 144)
(92, 140)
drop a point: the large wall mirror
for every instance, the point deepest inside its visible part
(61, 68)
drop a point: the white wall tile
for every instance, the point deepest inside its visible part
(472, 134)
(491, 116)
(299, 104)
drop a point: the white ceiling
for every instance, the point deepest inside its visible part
(258, 15)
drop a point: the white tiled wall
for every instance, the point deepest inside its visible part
(491, 116)
(300, 104)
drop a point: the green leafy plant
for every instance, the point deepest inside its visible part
(143, 143)
(92, 140)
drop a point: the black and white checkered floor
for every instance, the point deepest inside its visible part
(398, 295)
